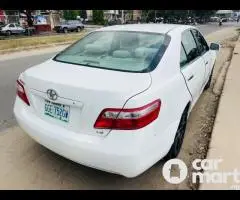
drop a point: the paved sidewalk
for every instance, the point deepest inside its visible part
(225, 142)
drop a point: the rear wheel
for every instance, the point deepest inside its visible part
(65, 30)
(177, 144)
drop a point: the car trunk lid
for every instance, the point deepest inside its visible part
(84, 91)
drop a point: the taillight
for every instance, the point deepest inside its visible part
(21, 92)
(128, 119)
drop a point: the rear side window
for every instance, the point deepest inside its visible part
(189, 45)
(117, 50)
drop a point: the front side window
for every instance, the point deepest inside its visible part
(11, 26)
(183, 57)
(201, 42)
(117, 50)
(189, 45)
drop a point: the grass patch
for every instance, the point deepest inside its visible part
(37, 41)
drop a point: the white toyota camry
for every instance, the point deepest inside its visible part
(119, 98)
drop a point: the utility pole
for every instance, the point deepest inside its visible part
(123, 16)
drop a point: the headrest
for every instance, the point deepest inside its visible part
(144, 52)
(121, 54)
(95, 49)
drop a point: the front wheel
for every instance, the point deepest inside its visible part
(8, 33)
(65, 30)
(178, 140)
(209, 81)
(78, 29)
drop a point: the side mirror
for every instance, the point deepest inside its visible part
(214, 46)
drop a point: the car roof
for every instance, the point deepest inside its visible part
(154, 28)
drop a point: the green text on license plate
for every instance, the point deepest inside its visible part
(57, 111)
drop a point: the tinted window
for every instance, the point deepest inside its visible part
(11, 25)
(201, 42)
(183, 57)
(189, 45)
(117, 50)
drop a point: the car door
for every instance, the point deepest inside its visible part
(12, 28)
(19, 29)
(192, 65)
(71, 25)
(204, 52)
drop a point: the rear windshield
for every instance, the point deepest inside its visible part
(117, 50)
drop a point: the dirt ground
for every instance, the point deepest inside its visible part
(27, 165)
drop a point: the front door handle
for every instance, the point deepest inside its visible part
(190, 78)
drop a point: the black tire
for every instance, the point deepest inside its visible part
(209, 81)
(179, 137)
(8, 33)
(78, 29)
(65, 30)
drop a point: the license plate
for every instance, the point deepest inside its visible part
(57, 111)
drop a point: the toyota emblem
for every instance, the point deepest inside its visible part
(52, 94)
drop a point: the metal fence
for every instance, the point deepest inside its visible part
(10, 18)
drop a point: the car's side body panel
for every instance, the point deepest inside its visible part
(169, 86)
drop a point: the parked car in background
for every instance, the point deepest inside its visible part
(12, 28)
(70, 25)
(113, 22)
(214, 19)
(135, 111)
(158, 19)
(224, 19)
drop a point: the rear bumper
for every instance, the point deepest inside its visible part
(118, 153)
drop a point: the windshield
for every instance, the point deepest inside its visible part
(62, 23)
(117, 50)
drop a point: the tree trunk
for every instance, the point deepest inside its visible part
(29, 18)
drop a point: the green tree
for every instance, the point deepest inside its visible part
(98, 17)
(83, 14)
(70, 14)
(149, 15)
(29, 16)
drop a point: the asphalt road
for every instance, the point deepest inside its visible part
(10, 69)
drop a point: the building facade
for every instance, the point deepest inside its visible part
(14, 16)
(137, 15)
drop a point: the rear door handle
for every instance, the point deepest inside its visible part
(206, 63)
(190, 78)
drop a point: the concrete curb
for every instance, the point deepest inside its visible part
(225, 136)
(2, 52)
